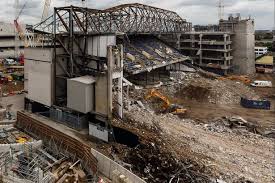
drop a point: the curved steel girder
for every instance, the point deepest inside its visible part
(127, 18)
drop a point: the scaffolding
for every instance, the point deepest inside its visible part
(32, 163)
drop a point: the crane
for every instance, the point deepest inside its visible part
(83, 3)
(44, 16)
(45, 13)
(221, 9)
(19, 33)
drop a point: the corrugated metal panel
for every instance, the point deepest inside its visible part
(38, 72)
(97, 45)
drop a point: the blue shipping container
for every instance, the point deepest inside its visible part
(256, 104)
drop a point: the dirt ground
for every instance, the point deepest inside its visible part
(207, 111)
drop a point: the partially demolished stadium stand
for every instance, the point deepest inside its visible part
(147, 53)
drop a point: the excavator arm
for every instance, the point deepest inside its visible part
(157, 94)
(167, 106)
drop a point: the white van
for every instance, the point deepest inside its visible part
(261, 84)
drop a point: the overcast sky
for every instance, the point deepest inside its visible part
(195, 11)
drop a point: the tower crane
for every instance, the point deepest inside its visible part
(221, 9)
(19, 33)
(45, 13)
(44, 16)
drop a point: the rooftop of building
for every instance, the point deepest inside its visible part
(209, 32)
(265, 60)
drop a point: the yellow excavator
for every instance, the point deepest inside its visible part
(167, 105)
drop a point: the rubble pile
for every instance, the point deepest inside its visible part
(156, 166)
(173, 139)
(217, 148)
(152, 159)
(192, 86)
(237, 123)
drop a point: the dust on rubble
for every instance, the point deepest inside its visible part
(228, 155)
(153, 159)
(212, 143)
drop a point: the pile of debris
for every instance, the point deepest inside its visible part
(153, 165)
(152, 159)
(193, 86)
(237, 123)
(220, 148)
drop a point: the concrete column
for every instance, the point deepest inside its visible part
(120, 84)
(178, 41)
(201, 48)
(225, 53)
(110, 63)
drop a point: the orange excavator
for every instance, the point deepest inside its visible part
(167, 105)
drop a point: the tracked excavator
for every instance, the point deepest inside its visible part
(167, 106)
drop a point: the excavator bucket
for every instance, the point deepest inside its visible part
(179, 111)
(167, 106)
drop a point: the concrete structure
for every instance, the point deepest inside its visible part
(7, 40)
(209, 50)
(111, 169)
(228, 49)
(243, 43)
(259, 51)
(81, 49)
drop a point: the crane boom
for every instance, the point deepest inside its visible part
(45, 13)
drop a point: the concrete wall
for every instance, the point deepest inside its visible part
(243, 47)
(98, 132)
(38, 73)
(7, 29)
(109, 168)
(101, 95)
(4, 148)
(6, 42)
